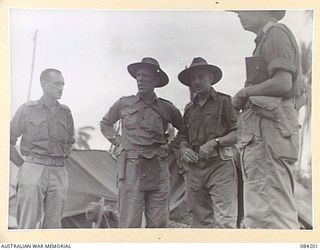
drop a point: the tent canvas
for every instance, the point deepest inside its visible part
(92, 175)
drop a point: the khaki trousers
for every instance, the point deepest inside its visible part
(267, 160)
(133, 202)
(212, 194)
(41, 195)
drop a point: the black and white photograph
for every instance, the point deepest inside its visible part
(160, 119)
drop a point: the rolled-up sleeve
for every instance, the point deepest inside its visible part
(279, 52)
(17, 125)
(111, 117)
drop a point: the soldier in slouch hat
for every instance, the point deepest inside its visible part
(143, 177)
(211, 127)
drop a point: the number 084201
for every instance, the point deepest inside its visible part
(310, 246)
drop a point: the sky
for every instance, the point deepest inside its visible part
(93, 48)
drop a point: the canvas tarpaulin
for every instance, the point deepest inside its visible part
(92, 175)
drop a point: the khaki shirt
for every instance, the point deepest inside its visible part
(142, 124)
(277, 45)
(215, 118)
(43, 133)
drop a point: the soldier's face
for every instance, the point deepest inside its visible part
(200, 81)
(146, 81)
(253, 20)
(53, 85)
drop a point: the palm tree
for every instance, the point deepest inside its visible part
(82, 136)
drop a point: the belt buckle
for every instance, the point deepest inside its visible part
(55, 162)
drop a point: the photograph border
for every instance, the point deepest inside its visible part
(152, 235)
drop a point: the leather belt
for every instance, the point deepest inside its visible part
(148, 151)
(46, 160)
(284, 103)
(144, 148)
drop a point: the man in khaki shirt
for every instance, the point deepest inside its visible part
(268, 129)
(143, 177)
(46, 127)
(211, 123)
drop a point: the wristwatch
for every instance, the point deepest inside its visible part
(217, 141)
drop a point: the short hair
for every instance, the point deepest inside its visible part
(44, 75)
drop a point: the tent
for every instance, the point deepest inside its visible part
(92, 176)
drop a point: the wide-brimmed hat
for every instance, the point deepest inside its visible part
(200, 63)
(150, 63)
(94, 212)
(277, 14)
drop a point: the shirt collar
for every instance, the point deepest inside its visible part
(264, 30)
(213, 95)
(44, 102)
(153, 99)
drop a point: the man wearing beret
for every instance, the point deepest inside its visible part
(46, 127)
(268, 129)
(143, 177)
(211, 127)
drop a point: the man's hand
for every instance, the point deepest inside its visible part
(189, 155)
(206, 149)
(240, 99)
(15, 156)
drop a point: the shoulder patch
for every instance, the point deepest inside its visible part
(31, 103)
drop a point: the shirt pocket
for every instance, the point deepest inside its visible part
(62, 131)
(37, 128)
(193, 130)
(211, 123)
(130, 118)
(151, 122)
